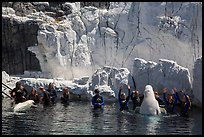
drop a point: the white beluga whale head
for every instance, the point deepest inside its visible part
(24, 106)
(149, 105)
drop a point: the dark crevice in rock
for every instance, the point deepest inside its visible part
(16, 38)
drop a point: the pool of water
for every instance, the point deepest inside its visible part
(78, 118)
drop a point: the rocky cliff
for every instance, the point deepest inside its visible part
(16, 38)
(18, 35)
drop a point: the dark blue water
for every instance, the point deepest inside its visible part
(79, 119)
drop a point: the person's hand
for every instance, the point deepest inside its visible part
(164, 90)
(174, 90)
(128, 86)
(22, 87)
(13, 94)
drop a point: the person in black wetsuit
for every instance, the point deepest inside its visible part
(123, 100)
(135, 99)
(52, 92)
(185, 104)
(65, 96)
(170, 101)
(97, 100)
(158, 98)
(19, 93)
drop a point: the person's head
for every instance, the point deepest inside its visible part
(136, 93)
(18, 84)
(33, 91)
(174, 89)
(122, 95)
(170, 98)
(51, 86)
(165, 89)
(156, 93)
(184, 98)
(41, 89)
(66, 90)
(96, 91)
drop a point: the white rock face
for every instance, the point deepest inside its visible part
(8, 11)
(37, 82)
(166, 73)
(41, 3)
(108, 80)
(10, 81)
(74, 6)
(149, 104)
(58, 47)
(90, 37)
(5, 77)
(197, 82)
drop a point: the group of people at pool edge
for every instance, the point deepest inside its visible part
(20, 94)
(169, 101)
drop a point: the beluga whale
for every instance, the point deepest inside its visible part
(149, 104)
(24, 106)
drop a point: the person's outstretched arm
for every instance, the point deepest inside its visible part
(164, 98)
(102, 103)
(119, 99)
(93, 101)
(131, 95)
(128, 97)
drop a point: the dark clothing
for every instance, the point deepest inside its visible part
(34, 97)
(53, 94)
(20, 95)
(184, 106)
(135, 101)
(97, 101)
(65, 98)
(123, 102)
(46, 98)
(160, 101)
(141, 99)
(170, 107)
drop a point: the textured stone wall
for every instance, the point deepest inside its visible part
(102, 5)
(16, 38)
